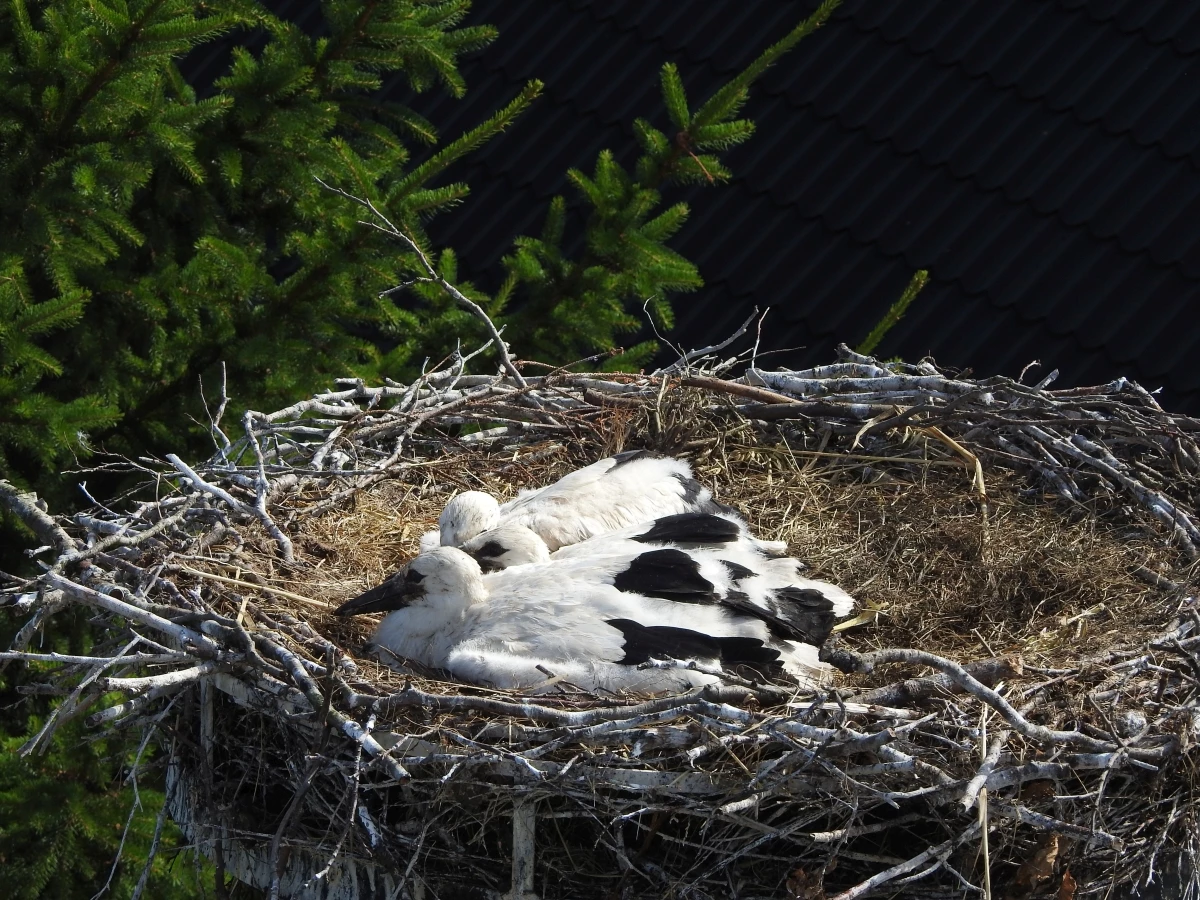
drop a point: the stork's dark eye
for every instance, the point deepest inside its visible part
(414, 577)
(490, 549)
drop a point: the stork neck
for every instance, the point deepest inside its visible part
(474, 593)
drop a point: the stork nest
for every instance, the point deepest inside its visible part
(1021, 719)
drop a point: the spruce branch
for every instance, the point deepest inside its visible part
(470, 141)
(895, 312)
(581, 302)
(728, 99)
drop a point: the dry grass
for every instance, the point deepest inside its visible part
(916, 550)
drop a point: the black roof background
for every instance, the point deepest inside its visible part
(1040, 157)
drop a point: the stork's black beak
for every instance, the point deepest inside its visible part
(396, 593)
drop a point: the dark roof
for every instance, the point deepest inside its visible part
(1040, 158)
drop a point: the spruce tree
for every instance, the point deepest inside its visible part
(152, 238)
(64, 811)
(148, 235)
(571, 307)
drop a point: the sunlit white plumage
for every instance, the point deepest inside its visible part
(513, 544)
(608, 495)
(586, 621)
(725, 560)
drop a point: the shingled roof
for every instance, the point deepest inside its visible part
(1040, 157)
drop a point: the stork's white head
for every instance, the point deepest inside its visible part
(443, 578)
(443, 575)
(506, 546)
(466, 515)
(445, 571)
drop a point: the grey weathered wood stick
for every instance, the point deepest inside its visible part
(24, 505)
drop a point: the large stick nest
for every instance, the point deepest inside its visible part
(1028, 551)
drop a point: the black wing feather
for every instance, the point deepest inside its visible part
(792, 613)
(736, 570)
(690, 528)
(667, 574)
(644, 643)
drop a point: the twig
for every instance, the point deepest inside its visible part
(122, 539)
(354, 808)
(686, 359)
(285, 820)
(912, 691)
(987, 766)
(414, 697)
(185, 637)
(977, 689)
(976, 789)
(166, 680)
(112, 871)
(144, 878)
(432, 275)
(253, 586)
(938, 852)
(137, 659)
(261, 488)
(1049, 823)
(346, 725)
(201, 485)
(734, 388)
(26, 507)
(214, 422)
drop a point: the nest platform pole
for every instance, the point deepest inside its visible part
(524, 827)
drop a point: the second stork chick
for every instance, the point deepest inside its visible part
(513, 544)
(622, 490)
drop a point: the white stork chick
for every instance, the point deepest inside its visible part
(591, 622)
(512, 544)
(622, 490)
(725, 562)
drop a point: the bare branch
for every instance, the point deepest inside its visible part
(26, 507)
(387, 227)
(938, 852)
(976, 688)
(687, 358)
(261, 488)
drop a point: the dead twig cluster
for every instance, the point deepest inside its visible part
(1111, 440)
